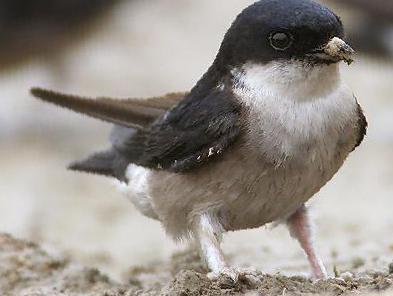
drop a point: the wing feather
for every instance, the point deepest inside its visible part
(133, 113)
(178, 133)
(195, 132)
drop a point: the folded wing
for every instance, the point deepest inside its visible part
(133, 113)
(177, 133)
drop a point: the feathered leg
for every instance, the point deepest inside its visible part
(208, 233)
(208, 236)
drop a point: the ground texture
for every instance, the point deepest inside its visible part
(25, 269)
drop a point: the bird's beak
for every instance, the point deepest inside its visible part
(336, 50)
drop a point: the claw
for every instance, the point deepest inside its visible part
(232, 276)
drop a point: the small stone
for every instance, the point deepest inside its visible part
(225, 282)
(334, 254)
(336, 272)
(391, 268)
(358, 262)
(346, 276)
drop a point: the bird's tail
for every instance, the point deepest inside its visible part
(107, 163)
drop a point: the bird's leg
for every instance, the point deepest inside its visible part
(208, 233)
(208, 237)
(301, 229)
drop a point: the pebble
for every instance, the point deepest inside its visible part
(391, 268)
(346, 276)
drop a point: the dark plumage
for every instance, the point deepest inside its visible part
(135, 113)
(194, 131)
(362, 126)
(310, 24)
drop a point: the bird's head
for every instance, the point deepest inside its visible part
(285, 30)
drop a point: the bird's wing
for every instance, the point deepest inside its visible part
(193, 133)
(132, 113)
(362, 125)
(176, 133)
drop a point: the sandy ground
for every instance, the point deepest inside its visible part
(25, 269)
(148, 50)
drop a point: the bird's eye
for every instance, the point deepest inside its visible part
(280, 40)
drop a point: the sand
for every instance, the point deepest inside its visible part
(26, 269)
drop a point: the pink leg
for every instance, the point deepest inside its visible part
(300, 229)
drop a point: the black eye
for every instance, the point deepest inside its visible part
(280, 40)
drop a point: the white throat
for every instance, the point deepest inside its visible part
(292, 105)
(287, 80)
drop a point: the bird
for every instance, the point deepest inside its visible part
(265, 128)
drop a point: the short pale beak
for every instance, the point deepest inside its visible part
(336, 50)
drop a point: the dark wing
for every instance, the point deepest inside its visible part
(361, 125)
(194, 133)
(134, 113)
(191, 134)
(129, 116)
(176, 133)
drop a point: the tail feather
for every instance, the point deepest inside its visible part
(121, 112)
(107, 163)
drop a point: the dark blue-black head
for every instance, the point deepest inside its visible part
(284, 29)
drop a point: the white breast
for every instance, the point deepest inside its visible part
(294, 105)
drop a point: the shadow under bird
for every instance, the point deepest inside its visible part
(268, 125)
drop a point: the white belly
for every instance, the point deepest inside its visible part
(137, 190)
(242, 191)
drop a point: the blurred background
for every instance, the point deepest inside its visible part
(146, 48)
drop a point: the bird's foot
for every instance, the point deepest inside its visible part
(232, 275)
(318, 270)
(319, 273)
